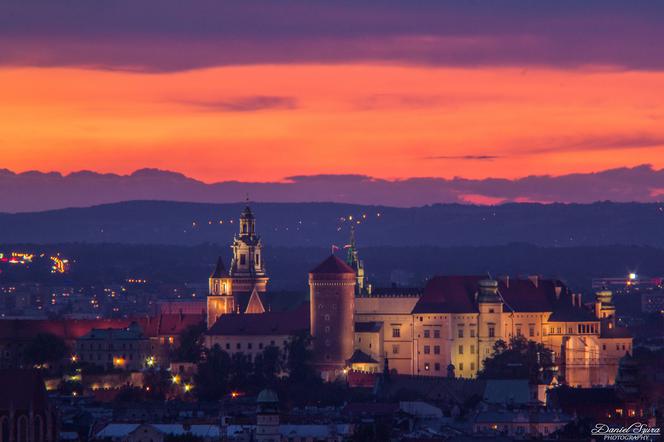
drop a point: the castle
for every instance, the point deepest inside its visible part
(445, 329)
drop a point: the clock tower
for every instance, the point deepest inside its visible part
(248, 267)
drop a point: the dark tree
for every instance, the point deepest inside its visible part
(299, 361)
(45, 348)
(267, 366)
(521, 359)
(191, 344)
(212, 377)
(241, 369)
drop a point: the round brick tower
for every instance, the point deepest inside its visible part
(332, 296)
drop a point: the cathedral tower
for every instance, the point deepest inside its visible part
(248, 268)
(332, 298)
(220, 299)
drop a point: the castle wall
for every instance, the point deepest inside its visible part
(397, 334)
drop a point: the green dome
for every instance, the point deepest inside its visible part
(488, 291)
(267, 397)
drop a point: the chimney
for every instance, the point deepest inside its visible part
(506, 280)
(558, 290)
(534, 279)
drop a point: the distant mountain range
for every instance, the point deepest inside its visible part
(34, 191)
(325, 224)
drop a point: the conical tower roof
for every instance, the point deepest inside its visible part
(333, 265)
(219, 270)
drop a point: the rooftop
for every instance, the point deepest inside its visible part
(269, 323)
(333, 265)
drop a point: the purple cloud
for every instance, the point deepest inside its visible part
(32, 191)
(245, 104)
(156, 35)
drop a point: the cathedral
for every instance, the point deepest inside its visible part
(446, 329)
(238, 290)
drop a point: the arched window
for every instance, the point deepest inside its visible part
(39, 429)
(4, 429)
(22, 429)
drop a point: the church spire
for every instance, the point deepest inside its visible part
(353, 260)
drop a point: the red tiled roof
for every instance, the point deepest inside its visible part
(269, 323)
(22, 389)
(333, 265)
(456, 294)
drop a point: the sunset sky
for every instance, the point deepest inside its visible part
(257, 91)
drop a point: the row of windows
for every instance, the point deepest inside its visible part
(243, 259)
(460, 333)
(581, 329)
(109, 357)
(436, 333)
(436, 349)
(250, 345)
(436, 366)
(110, 346)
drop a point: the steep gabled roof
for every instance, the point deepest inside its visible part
(255, 305)
(333, 265)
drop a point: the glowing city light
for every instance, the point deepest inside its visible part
(150, 361)
(176, 379)
(188, 387)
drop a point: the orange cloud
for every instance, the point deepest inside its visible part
(265, 122)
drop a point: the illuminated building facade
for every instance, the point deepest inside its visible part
(220, 300)
(446, 329)
(452, 327)
(126, 348)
